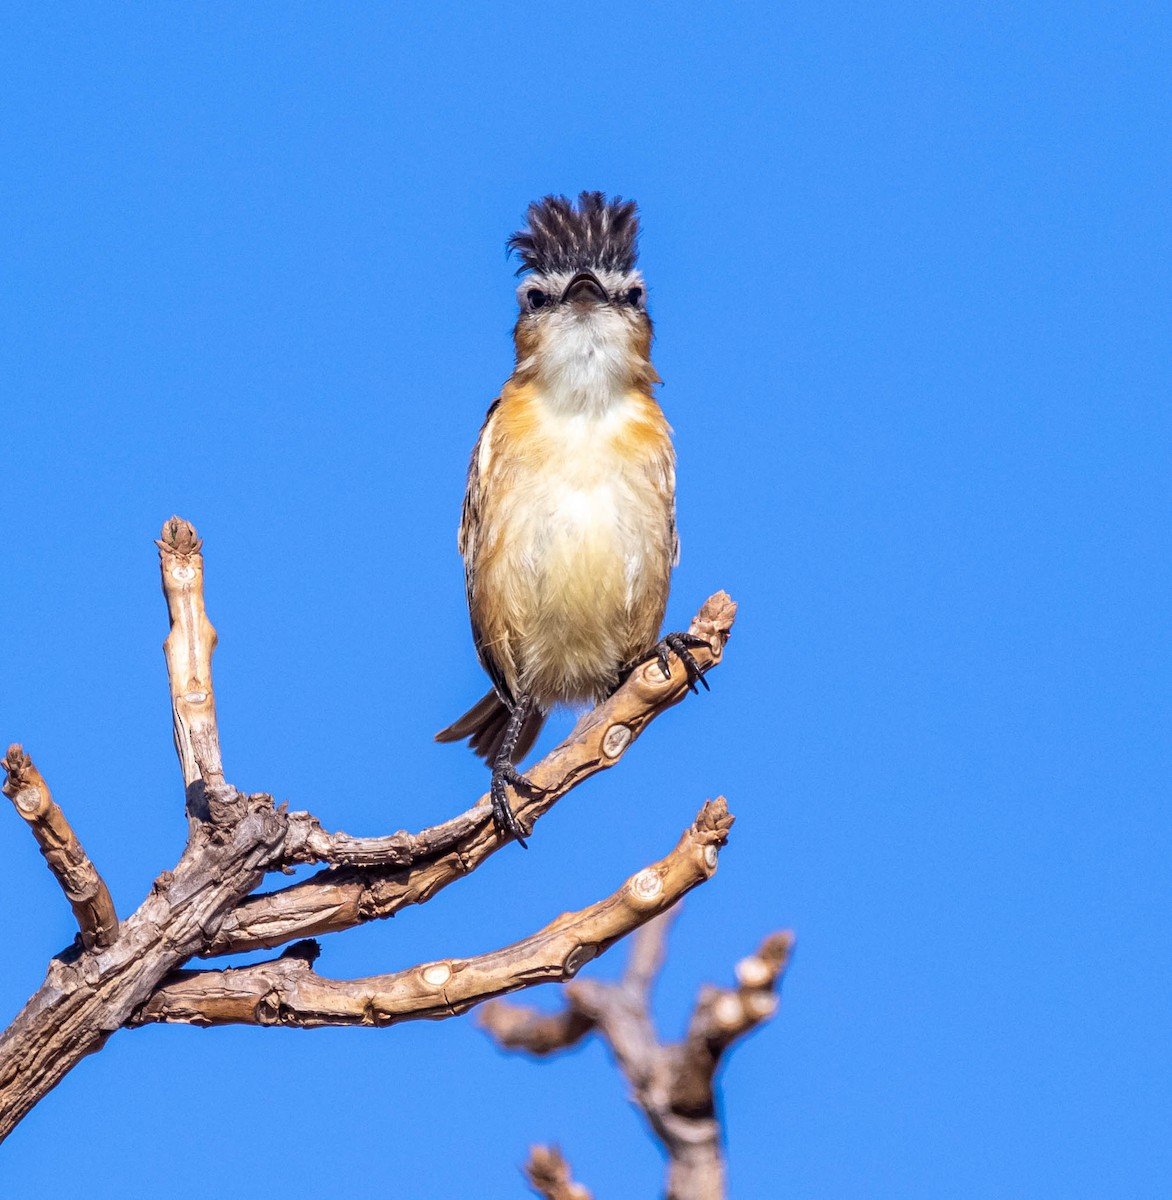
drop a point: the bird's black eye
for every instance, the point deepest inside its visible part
(536, 297)
(635, 296)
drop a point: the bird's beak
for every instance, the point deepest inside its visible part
(585, 285)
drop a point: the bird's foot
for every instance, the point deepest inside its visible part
(504, 775)
(680, 645)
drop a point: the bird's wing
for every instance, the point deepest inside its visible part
(664, 475)
(466, 541)
(673, 528)
(470, 515)
(661, 464)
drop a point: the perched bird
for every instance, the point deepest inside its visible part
(568, 529)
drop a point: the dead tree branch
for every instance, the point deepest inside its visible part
(287, 991)
(84, 888)
(132, 974)
(673, 1085)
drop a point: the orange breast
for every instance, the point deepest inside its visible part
(575, 546)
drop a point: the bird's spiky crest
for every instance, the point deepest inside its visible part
(597, 234)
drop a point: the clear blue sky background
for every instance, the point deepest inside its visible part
(908, 264)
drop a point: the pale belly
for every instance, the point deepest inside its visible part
(582, 578)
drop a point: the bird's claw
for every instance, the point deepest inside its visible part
(504, 775)
(680, 645)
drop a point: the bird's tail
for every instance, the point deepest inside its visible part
(484, 726)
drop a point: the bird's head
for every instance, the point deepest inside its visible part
(583, 303)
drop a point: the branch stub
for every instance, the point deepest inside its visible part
(647, 885)
(437, 974)
(617, 739)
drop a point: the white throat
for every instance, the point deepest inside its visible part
(585, 362)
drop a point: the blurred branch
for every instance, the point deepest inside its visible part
(84, 888)
(673, 1085)
(549, 1175)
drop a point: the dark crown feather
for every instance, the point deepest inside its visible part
(598, 234)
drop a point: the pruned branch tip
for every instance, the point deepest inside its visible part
(84, 888)
(188, 649)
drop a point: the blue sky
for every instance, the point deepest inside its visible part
(908, 265)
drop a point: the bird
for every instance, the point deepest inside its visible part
(568, 527)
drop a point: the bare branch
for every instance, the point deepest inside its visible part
(188, 649)
(674, 1085)
(84, 999)
(287, 991)
(549, 1175)
(79, 879)
(340, 898)
(308, 842)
